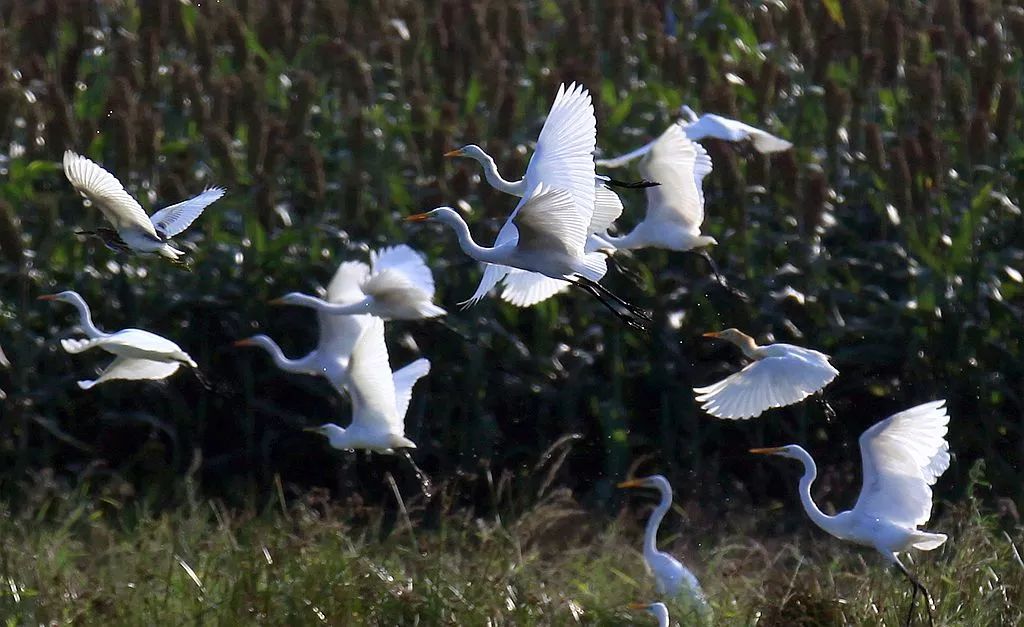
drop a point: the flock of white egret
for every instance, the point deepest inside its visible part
(556, 237)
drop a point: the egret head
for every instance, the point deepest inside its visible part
(730, 335)
(654, 481)
(470, 150)
(67, 296)
(792, 451)
(657, 609)
(441, 214)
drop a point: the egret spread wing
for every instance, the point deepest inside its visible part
(405, 378)
(607, 209)
(371, 384)
(711, 125)
(172, 220)
(903, 455)
(107, 193)
(131, 369)
(680, 165)
(525, 289)
(770, 382)
(344, 287)
(396, 295)
(550, 222)
(406, 261)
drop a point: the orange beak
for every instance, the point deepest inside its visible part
(632, 483)
(245, 342)
(47, 297)
(766, 451)
(418, 217)
(454, 153)
(710, 334)
(277, 301)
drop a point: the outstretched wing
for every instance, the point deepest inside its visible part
(371, 384)
(903, 455)
(711, 125)
(680, 165)
(526, 289)
(172, 220)
(405, 378)
(405, 261)
(766, 383)
(131, 369)
(106, 192)
(344, 287)
(550, 222)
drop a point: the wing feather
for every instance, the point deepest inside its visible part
(711, 125)
(344, 287)
(408, 262)
(131, 369)
(680, 165)
(371, 384)
(174, 219)
(405, 378)
(107, 193)
(550, 221)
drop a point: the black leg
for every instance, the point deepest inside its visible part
(425, 485)
(203, 381)
(625, 317)
(721, 279)
(631, 308)
(924, 592)
(641, 184)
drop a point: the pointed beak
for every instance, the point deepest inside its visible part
(47, 297)
(710, 334)
(312, 429)
(417, 217)
(637, 606)
(454, 153)
(277, 301)
(632, 483)
(775, 450)
(246, 342)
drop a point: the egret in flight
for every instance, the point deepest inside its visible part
(711, 125)
(138, 354)
(563, 159)
(902, 457)
(670, 576)
(675, 208)
(780, 374)
(397, 285)
(380, 399)
(134, 231)
(550, 232)
(337, 334)
(658, 610)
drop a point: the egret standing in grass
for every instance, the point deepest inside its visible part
(670, 576)
(711, 125)
(139, 354)
(902, 457)
(658, 610)
(781, 374)
(563, 159)
(397, 285)
(134, 231)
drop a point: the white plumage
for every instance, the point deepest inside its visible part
(711, 125)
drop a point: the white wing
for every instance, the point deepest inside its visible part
(607, 209)
(134, 341)
(405, 378)
(344, 287)
(406, 261)
(371, 384)
(397, 297)
(107, 193)
(127, 368)
(711, 125)
(4, 362)
(550, 222)
(680, 165)
(903, 455)
(525, 289)
(770, 382)
(172, 220)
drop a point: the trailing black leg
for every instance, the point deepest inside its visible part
(721, 279)
(426, 487)
(913, 598)
(633, 309)
(641, 184)
(625, 316)
(203, 381)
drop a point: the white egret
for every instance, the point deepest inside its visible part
(337, 334)
(139, 354)
(711, 125)
(380, 399)
(675, 208)
(658, 610)
(902, 456)
(550, 232)
(562, 159)
(4, 363)
(781, 374)
(670, 576)
(397, 285)
(134, 231)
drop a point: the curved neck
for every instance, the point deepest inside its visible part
(300, 366)
(625, 242)
(494, 178)
(470, 247)
(86, 317)
(358, 307)
(750, 348)
(651, 535)
(819, 517)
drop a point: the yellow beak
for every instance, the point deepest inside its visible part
(766, 451)
(245, 342)
(277, 301)
(47, 297)
(710, 334)
(454, 153)
(632, 483)
(417, 217)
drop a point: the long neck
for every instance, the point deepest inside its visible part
(750, 349)
(819, 517)
(494, 178)
(300, 366)
(651, 535)
(470, 247)
(359, 307)
(625, 242)
(86, 318)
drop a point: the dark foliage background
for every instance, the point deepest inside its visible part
(890, 237)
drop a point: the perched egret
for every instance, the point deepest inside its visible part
(337, 334)
(380, 399)
(563, 159)
(711, 125)
(397, 285)
(139, 354)
(675, 208)
(134, 231)
(903, 456)
(658, 610)
(781, 374)
(670, 576)
(550, 232)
